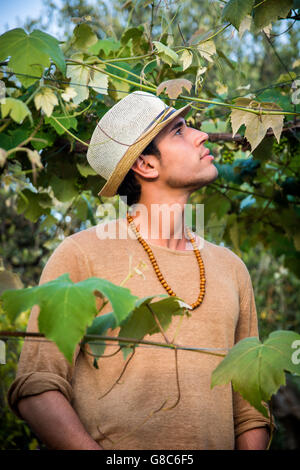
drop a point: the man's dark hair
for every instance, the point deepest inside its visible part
(130, 186)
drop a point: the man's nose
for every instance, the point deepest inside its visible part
(200, 137)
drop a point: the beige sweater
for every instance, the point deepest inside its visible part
(126, 417)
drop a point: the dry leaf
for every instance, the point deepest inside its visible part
(174, 87)
(35, 158)
(2, 157)
(256, 124)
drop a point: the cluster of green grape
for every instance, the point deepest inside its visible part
(227, 156)
(279, 148)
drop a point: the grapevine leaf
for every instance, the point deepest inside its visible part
(256, 124)
(186, 58)
(30, 53)
(85, 170)
(64, 189)
(84, 37)
(103, 323)
(98, 81)
(28, 203)
(235, 10)
(256, 369)
(82, 77)
(68, 94)
(99, 327)
(79, 75)
(45, 99)
(68, 122)
(245, 25)
(174, 87)
(141, 321)
(207, 49)
(15, 108)
(68, 307)
(166, 54)
(269, 11)
(105, 45)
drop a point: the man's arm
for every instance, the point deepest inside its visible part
(254, 439)
(55, 422)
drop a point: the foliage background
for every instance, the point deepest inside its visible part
(264, 230)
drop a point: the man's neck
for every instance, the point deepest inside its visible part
(162, 223)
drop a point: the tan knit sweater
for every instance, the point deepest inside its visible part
(127, 417)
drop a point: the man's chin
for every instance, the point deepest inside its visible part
(205, 182)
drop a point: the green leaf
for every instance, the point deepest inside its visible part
(85, 170)
(105, 45)
(14, 138)
(270, 11)
(67, 121)
(235, 10)
(166, 54)
(64, 189)
(67, 307)
(99, 327)
(256, 369)
(15, 108)
(141, 321)
(30, 53)
(135, 34)
(32, 205)
(84, 37)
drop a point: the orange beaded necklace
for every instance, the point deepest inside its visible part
(156, 267)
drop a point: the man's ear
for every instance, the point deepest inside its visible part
(146, 166)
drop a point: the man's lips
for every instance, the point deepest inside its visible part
(206, 153)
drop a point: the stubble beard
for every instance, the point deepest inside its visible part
(192, 184)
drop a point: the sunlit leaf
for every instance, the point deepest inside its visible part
(16, 109)
(256, 124)
(256, 369)
(186, 58)
(207, 50)
(84, 37)
(166, 53)
(45, 100)
(30, 53)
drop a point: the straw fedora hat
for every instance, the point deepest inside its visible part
(124, 132)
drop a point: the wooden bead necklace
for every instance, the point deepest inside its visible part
(156, 267)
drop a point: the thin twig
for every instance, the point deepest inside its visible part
(158, 323)
(119, 378)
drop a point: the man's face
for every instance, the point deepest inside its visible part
(185, 161)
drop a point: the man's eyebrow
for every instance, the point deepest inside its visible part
(177, 125)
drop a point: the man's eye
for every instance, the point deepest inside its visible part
(179, 130)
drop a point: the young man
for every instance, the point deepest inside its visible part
(146, 151)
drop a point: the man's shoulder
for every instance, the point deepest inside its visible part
(101, 234)
(224, 254)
